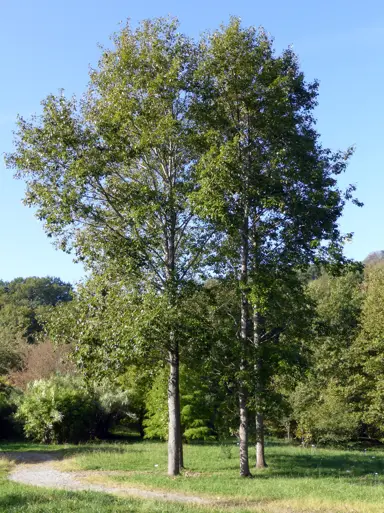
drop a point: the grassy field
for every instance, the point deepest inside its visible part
(15, 498)
(297, 480)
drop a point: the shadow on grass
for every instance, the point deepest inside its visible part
(63, 501)
(322, 465)
(12, 500)
(38, 455)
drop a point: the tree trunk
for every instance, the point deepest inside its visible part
(244, 335)
(260, 456)
(141, 423)
(258, 332)
(243, 433)
(174, 432)
(175, 456)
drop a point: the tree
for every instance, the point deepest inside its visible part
(265, 182)
(279, 325)
(111, 175)
(23, 299)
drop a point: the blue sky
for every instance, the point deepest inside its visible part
(47, 45)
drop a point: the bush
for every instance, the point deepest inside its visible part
(63, 409)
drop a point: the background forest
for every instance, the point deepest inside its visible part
(323, 385)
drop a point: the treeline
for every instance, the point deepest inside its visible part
(321, 384)
(42, 394)
(192, 183)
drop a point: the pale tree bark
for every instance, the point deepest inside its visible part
(258, 332)
(174, 428)
(243, 433)
(244, 335)
(260, 455)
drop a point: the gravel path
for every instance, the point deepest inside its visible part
(38, 469)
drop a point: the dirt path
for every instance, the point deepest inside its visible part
(38, 469)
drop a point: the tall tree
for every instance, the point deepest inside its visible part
(265, 181)
(111, 175)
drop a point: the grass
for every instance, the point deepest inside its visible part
(297, 479)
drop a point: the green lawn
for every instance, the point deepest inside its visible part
(297, 479)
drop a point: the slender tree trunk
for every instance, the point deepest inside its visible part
(244, 334)
(260, 456)
(175, 456)
(243, 433)
(174, 431)
(258, 332)
(141, 422)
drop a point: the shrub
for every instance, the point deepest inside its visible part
(114, 406)
(63, 409)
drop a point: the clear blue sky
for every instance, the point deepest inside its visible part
(46, 45)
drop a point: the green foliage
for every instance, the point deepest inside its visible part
(336, 324)
(8, 405)
(62, 409)
(326, 415)
(259, 140)
(367, 353)
(110, 175)
(156, 420)
(270, 189)
(23, 299)
(11, 351)
(199, 407)
(136, 382)
(22, 302)
(328, 403)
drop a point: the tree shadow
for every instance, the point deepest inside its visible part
(12, 500)
(362, 468)
(29, 500)
(324, 465)
(36, 456)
